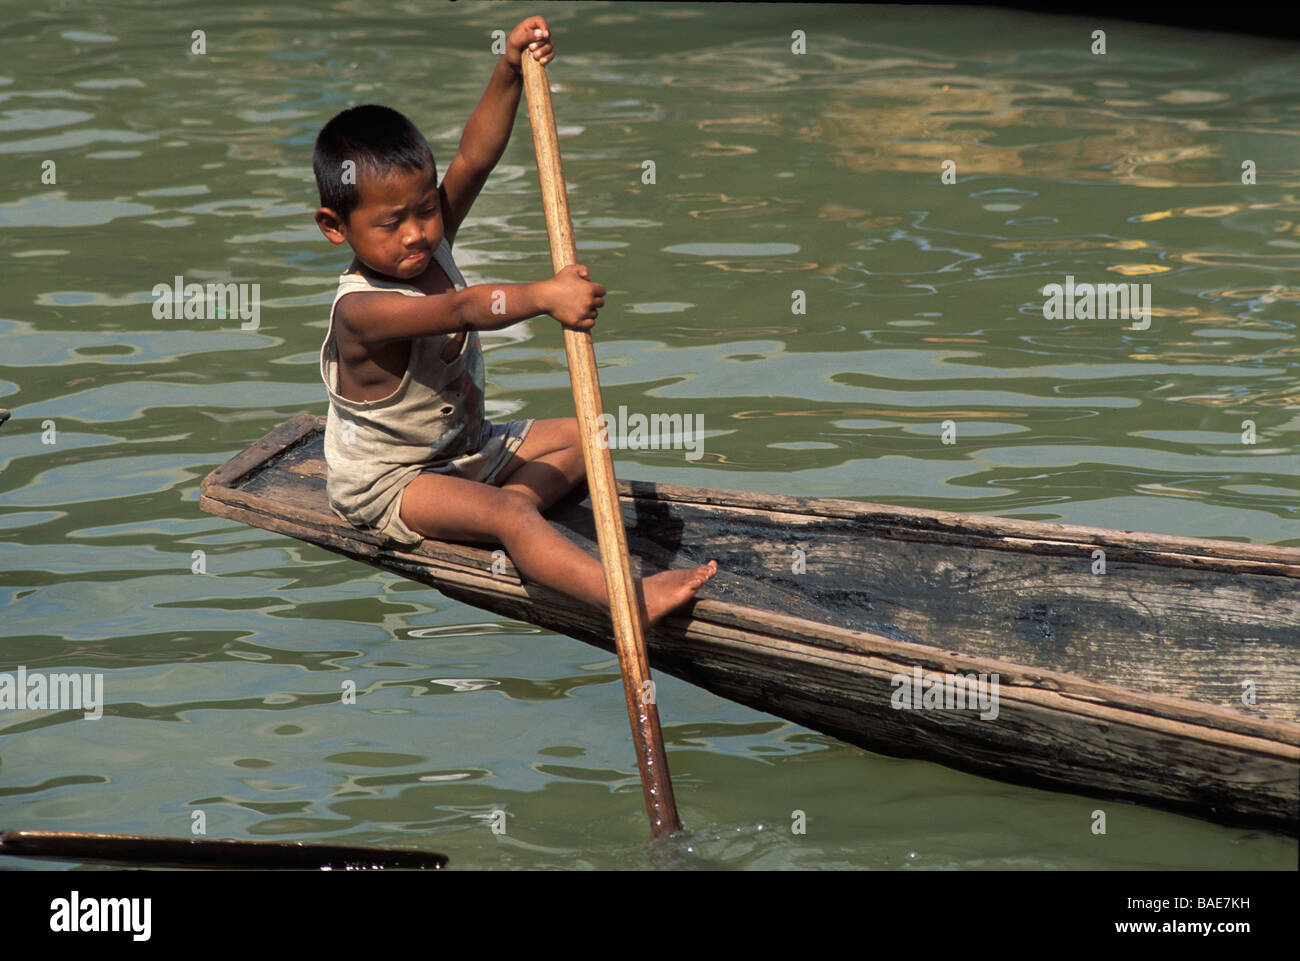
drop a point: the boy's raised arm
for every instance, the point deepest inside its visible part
(488, 131)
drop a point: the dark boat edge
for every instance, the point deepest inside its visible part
(921, 523)
(208, 853)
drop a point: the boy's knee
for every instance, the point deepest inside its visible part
(512, 508)
(573, 437)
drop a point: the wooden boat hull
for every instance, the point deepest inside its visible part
(1127, 684)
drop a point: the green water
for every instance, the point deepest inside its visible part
(774, 172)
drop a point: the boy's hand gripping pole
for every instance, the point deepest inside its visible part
(624, 610)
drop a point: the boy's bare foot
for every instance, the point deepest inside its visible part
(668, 590)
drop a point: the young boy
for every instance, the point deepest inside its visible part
(408, 452)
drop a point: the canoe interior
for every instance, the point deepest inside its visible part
(1170, 616)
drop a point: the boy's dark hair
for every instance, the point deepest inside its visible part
(376, 139)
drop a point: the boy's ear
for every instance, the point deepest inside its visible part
(331, 225)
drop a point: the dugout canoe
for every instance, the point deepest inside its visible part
(1170, 676)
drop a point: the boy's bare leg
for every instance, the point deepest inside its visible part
(547, 464)
(452, 508)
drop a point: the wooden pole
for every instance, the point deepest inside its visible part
(624, 610)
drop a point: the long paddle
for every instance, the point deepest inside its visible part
(208, 853)
(628, 634)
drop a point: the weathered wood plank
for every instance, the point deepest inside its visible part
(1124, 684)
(1090, 738)
(1146, 625)
(897, 521)
(1149, 626)
(263, 452)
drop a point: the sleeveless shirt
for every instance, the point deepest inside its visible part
(433, 418)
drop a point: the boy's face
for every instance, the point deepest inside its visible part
(396, 227)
